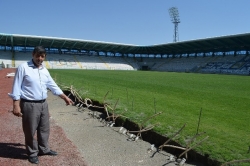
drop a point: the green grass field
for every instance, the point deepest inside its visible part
(223, 99)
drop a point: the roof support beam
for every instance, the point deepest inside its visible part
(12, 43)
(73, 45)
(63, 44)
(25, 43)
(40, 41)
(51, 43)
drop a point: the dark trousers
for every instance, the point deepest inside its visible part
(35, 119)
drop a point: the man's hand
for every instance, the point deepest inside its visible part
(67, 100)
(16, 108)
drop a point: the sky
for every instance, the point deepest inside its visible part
(137, 22)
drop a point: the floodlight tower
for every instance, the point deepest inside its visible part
(174, 15)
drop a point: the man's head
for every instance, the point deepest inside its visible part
(39, 54)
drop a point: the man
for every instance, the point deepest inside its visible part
(29, 95)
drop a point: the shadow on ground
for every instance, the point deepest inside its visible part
(13, 151)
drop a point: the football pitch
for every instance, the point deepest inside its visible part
(211, 103)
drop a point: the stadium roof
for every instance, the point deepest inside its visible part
(236, 42)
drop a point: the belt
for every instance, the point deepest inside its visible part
(34, 101)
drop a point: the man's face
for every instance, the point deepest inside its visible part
(38, 59)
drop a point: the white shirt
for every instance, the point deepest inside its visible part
(31, 83)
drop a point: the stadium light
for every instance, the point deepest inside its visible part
(174, 15)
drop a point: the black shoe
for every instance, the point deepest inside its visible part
(50, 153)
(34, 160)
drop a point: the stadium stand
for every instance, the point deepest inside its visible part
(57, 61)
(116, 63)
(229, 64)
(211, 64)
(68, 61)
(21, 57)
(132, 62)
(6, 59)
(181, 64)
(65, 61)
(228, 56)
